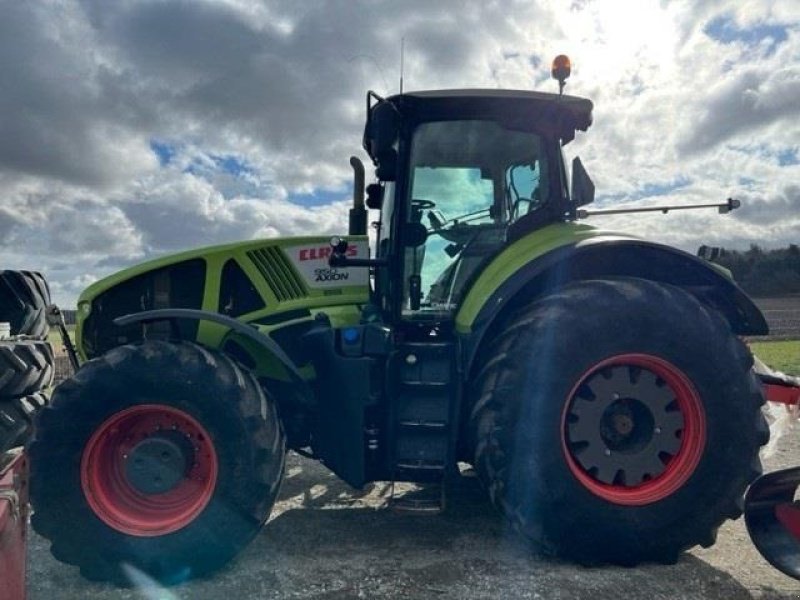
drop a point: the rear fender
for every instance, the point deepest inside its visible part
(604, 257)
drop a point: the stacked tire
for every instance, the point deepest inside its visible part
(26, 357)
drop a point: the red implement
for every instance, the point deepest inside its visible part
(773, 519)
(778, 387)
(782, 394)
(13, 524)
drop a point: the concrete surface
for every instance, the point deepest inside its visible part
(327, 541)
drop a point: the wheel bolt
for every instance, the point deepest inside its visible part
(608, 452)
(615, 396)
(657, 430)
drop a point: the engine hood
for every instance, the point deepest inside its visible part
(262, 282)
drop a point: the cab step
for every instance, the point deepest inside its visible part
(427, 501)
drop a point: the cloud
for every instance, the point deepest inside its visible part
(134, 128)
(778, 209)
(750, 100)
(174, 212)
(58, 118)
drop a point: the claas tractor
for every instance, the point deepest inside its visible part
(596, 382)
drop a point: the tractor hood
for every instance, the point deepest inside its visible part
(261, 281)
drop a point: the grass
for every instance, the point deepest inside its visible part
(55, 336)
(782, 356)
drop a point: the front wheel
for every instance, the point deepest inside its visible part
(156, 461)
(617, 421)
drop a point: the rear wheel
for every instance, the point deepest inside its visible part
(617, 421)
(166, 459)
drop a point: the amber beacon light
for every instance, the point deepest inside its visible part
(560, 70)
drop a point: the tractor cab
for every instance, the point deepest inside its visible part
(461, 173)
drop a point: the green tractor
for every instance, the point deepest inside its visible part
(596, 382)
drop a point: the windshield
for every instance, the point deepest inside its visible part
(468, 181)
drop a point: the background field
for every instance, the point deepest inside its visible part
(781, 350)
(782, 355)
(783, 316)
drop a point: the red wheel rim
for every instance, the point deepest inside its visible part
(109, 491)
(633, 429)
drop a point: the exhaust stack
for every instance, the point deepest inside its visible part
(358, 214)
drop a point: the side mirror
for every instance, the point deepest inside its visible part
(582, 185)
(387, 166)
(374, 196)
(414, 234)
(383, 129)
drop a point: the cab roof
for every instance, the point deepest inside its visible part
(549, 114)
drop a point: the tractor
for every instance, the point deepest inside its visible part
(595, 382)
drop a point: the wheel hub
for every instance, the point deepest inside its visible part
(623, 424)
(149, 470)
(634, 429)
(627, 425)
(159, 463)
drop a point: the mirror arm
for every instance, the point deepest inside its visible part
(337, 257)
(339, 260)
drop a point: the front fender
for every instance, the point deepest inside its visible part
(170, 314)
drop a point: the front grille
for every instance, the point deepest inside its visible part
(180, 285)
(279, 274)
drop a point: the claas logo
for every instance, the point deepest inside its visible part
(323, 252)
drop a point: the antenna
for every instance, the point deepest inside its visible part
(402, 56)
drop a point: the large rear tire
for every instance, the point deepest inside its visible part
(160, 460)
(617, 421)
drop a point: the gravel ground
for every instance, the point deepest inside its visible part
(325, 541)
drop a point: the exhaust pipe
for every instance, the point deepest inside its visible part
(358, 214)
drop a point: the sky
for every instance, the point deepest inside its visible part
(132, 129)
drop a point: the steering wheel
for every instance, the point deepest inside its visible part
(423, 204)
(418, 207)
